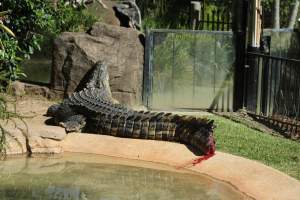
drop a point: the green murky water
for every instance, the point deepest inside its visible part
(89, 177)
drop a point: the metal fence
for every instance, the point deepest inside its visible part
(189, 69)
(216, 20)
(272, 91)
(283, 42)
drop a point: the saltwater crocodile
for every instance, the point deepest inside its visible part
(92, 110)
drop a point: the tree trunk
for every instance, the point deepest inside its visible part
(294, 14)
(276, 22)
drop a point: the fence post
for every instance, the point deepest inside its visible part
(239, 30)
(195, 13)
(147, 69)
(259, 86)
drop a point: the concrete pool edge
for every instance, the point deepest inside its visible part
(249, 177)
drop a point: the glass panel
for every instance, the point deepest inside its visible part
(224, 71)
(162, 69)
(205, 70)
(284, 43)
(192, 70)
(183, 68)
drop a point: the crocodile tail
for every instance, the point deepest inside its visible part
(193, 131)
(100, 80)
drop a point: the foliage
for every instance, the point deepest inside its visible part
(172, 13)
(28, 20)
(33, 21)
(210, 54)
(8, 49)
(3, 27)
(163, 13)
(285, 12)
(68, 18)
(175, 13)
(277, 152)
(9, 60)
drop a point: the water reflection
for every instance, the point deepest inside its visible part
(68, 180)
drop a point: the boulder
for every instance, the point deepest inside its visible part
(129, 14)
(39, 145)
(15, 141)
(103, 10)
(17, 89)
(53, 133)
(120, 48)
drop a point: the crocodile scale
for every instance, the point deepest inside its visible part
(102, 116)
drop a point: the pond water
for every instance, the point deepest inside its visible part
(90, 177)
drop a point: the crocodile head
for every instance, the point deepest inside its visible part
(204, 139)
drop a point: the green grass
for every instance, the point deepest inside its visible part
(276, 152)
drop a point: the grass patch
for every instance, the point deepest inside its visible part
(237, 139)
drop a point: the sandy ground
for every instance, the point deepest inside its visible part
(249, 177)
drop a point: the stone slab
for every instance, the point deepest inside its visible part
(250, 177)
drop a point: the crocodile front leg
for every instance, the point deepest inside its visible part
(74, 123)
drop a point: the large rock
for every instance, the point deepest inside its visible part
(120, 48)
(15, 141)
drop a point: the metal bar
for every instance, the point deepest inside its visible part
(265, 85)
(294, 74)
(173, 70)
(284, 88)
(271, 88)
(287, 94)
(207, 22)
(215, 50)
(228, 23)
(223, 21)
(194, 66)
(276, 120)
(202, 19)
(223, 103)
(218, 19)
(277, 75)
(190, 31)
(150, 70)
(146, 92)
(213, 19)
(259, 87)
(280, 84)
(297, 93)
(272, 57)
(228, 99)
(298, 109)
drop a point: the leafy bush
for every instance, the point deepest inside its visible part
(34, 21)
(9, 60)
(68, 18)
(28, 20)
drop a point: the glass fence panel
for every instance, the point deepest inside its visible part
(191, 69)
